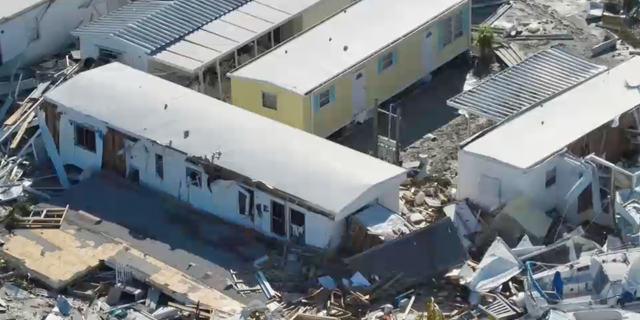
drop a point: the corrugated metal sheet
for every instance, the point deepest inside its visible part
(151, 25)
(537, 78)
(230, 32)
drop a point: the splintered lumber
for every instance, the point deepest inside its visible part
(16, 115)
(23, 128)
(192, 309)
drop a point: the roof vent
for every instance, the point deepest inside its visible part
(345, 48)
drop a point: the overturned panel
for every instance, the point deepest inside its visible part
(526, 84)
(57, 257)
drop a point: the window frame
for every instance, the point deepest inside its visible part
(82, 143)
(159, 166)
(550, 178)
(447, 24)
(246, 203)
(326, 94)
(191, 182)
(269, 97)
(387, 60)
(458, 22)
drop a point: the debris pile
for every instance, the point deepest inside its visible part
(21, 141)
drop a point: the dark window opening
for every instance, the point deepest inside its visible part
(269, 100)
(387, 61)
(278, 219)
(324, 98)
(242, 203)
(85, 138)
(160, 166)
(551, 178)
(107, 55)
(585, 199)
(194, 177)
(297, 218)
(251, 200)
(296, 231)
(134, 175)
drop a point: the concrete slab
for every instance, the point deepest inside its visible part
(163, 232)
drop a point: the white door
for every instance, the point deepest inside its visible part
(359, 93)
(428, 51)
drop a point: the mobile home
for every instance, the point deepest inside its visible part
(332, 74)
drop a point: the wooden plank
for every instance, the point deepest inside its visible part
(16, 115)
(22, 130)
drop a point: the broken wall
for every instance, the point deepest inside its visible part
(216, 196)
(491, 183)
(70, 153)
(608, 140)
(46, 29)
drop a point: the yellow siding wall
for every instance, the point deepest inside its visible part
(247, 94)
(393, 80)
(295, 110)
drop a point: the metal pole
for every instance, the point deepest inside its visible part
(375, 128)
(312, 124)
(397, 138)
(219, 80)
(389, 118)
(612, 196)
(201, 77)
(273, 40)
(255, 48)
(235, 53)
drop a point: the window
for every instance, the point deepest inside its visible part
(457, 25)
(296, 226)
(387, 61)
(85, 138)
(108, 55)
(278, 219)
(270, 100)
(194, 177)
(447, 31)
(551, 178)
(242, 203)
(160, 166)
(324, 98)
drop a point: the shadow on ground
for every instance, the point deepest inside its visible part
(424, 109)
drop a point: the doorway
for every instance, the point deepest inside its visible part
(112, 159)
(278, 219)
(359, 93)
(296, 227)
(428, 52)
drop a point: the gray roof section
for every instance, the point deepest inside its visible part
(415, 258)
(151, 25)
(536, 79)
(327, 175)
